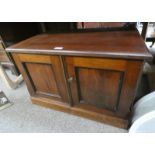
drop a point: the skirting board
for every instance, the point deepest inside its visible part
(111, 120)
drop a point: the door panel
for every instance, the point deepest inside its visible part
(43, 79)
(44, 75)
(103, 83)
(98, 87)
(96, 82)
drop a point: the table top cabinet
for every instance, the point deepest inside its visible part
(91, 74)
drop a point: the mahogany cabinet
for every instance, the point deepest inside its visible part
(93, 75)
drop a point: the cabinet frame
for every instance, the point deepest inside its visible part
(130, 68)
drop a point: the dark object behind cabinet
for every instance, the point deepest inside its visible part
(106, 26)
(13, 32)
(94, 75)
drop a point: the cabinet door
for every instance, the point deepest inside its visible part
(44, 75)
(98, 83)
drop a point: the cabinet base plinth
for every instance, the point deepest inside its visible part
(103, 118)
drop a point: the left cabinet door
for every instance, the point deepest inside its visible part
(43, 75)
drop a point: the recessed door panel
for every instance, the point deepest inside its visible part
(44, 76)
(99, 87)
(94, 82)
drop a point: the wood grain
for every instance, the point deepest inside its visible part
(43, 76)
(116, 44)
(94, 76)
(97, 84)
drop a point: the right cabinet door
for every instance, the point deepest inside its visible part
(100, 83)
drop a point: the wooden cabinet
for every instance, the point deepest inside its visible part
(93, 75)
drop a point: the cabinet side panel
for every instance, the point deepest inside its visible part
(132, 74)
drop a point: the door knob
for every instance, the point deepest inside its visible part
(70, 79)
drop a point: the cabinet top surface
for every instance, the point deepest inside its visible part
(119, 44)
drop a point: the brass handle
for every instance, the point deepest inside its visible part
(70, 79)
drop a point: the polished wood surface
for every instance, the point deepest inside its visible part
(43, 75)
(103, 82)
(83, 82)
(43, 78)
(117, 44)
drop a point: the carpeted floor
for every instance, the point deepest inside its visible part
(24, 116)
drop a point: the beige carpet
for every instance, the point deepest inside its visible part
(24, 116)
